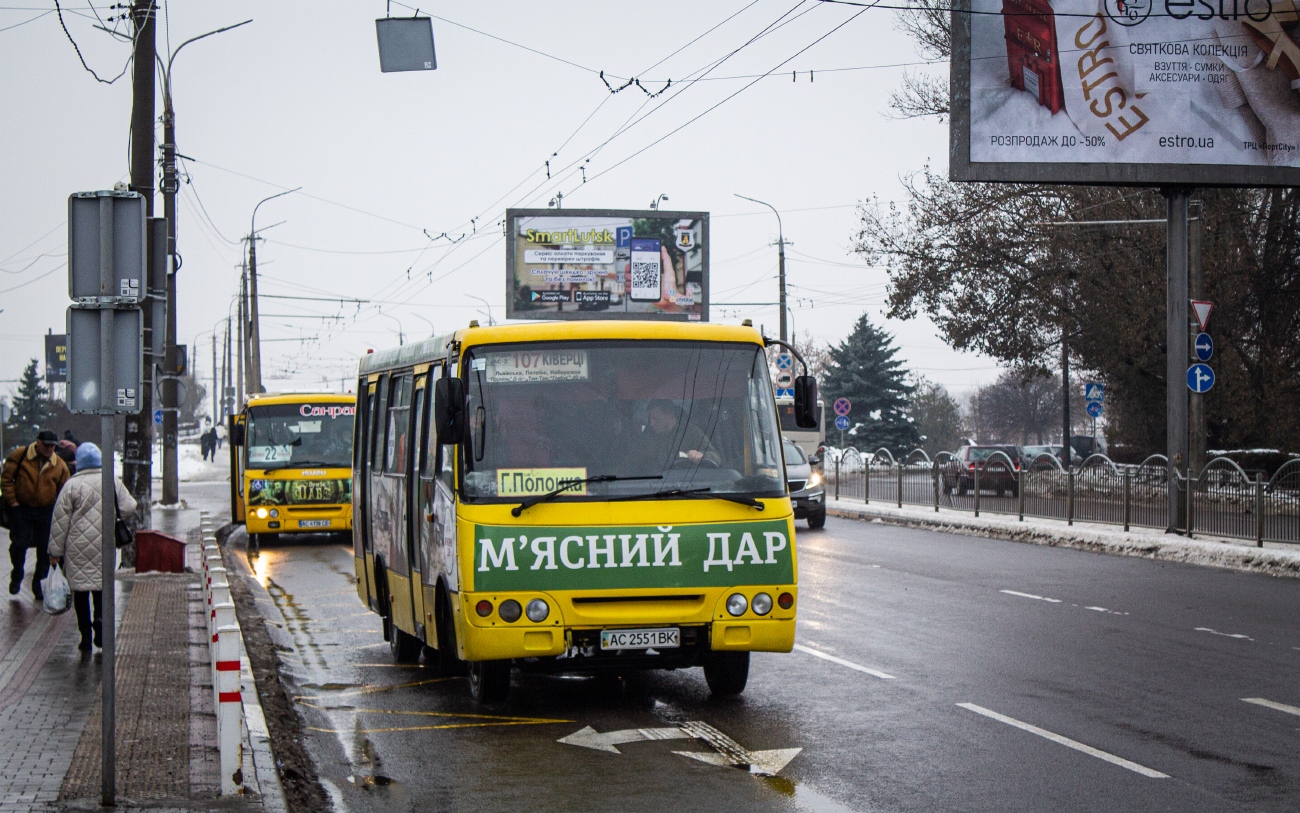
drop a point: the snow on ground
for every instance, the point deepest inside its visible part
(1274, 559)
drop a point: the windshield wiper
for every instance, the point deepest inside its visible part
(599, 478)
(693, 492)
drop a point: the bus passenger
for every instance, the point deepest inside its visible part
(667, 440)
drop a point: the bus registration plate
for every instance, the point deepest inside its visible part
(314, 523)
(668, 638)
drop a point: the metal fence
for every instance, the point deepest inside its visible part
(1223, 500)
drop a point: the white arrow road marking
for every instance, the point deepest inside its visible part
(731, 753)
(850, 664)
(727, 752)
(591, 738)
(1031, 595)
(1066, 741)
(1270, 704)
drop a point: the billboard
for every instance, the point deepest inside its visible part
(1150, 92)
(607, 264)
(56, 358)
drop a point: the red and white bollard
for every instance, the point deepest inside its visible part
(230, 711)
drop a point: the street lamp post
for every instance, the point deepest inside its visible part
(491, 321)
(254, 329)
(432, 330)
(171, 361)
(780, 242)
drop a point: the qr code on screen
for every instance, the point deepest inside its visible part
(645, 276)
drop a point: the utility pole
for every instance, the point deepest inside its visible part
(254, 330)
(171, 358)
(780, 259)
(243, 334)
(216, 385)
(137, 441)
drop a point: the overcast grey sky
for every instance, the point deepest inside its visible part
(385, 160)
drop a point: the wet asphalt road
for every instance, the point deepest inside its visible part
(1122, 670)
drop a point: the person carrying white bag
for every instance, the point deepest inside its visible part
(77, 543)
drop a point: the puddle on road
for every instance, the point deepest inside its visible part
(804, 797)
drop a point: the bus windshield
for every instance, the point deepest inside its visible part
(674, 415)
(282, 436)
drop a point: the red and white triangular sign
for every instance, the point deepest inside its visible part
(1201, 310)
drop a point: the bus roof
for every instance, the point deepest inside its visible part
(556, 331)
(273, 398)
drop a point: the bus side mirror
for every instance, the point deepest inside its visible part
(805, 402)
(236, 432)
(449, 410)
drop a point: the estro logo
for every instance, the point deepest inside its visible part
(1128, 12)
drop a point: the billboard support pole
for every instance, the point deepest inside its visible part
(1196, 401)
(1176, 437)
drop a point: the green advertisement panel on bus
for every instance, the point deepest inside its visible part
(602, 558)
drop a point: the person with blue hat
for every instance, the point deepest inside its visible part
(77, 541)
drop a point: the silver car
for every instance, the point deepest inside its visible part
(807, 493)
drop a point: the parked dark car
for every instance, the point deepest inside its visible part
(995, 474)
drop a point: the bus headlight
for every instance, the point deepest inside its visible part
(762, 604)
(262, 513)
(510, 611)
(537, 610)
(275, 512)
(737, 604)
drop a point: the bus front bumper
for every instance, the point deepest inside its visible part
(299, 519)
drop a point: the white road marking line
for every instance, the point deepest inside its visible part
(1031, 595)
(1066, 741)
(1223, 634)
(850, 664)
(1270, 704)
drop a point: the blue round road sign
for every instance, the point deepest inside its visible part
(1204, 347)
(158, 416)
(784, 361)
(1094, 409)
(1200, 378)
(843, 406)
(842, 422)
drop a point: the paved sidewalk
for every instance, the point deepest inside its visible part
(166, 727)
(1149, 543)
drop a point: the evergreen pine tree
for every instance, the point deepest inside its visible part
(864, 369)
(31, 407)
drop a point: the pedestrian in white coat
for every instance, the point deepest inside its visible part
(77, 542)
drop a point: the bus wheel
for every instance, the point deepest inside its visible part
(817, 520)
(726, 672)
(489, 681)
(405, 648)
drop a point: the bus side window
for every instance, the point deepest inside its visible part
(399, 406)
(421, 407)
(429, 439)
(378, 413)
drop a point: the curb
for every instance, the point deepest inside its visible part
(1146, 544)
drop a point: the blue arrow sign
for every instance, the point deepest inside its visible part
(1094, 409)
(1200, 378)
(157, 416)
(1093, 391)
(842, 422)
(784, 362)
(1204, 346)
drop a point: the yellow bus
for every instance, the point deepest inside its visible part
(290, 464)
(576, 497)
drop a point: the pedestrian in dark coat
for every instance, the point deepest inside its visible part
(32, 478)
